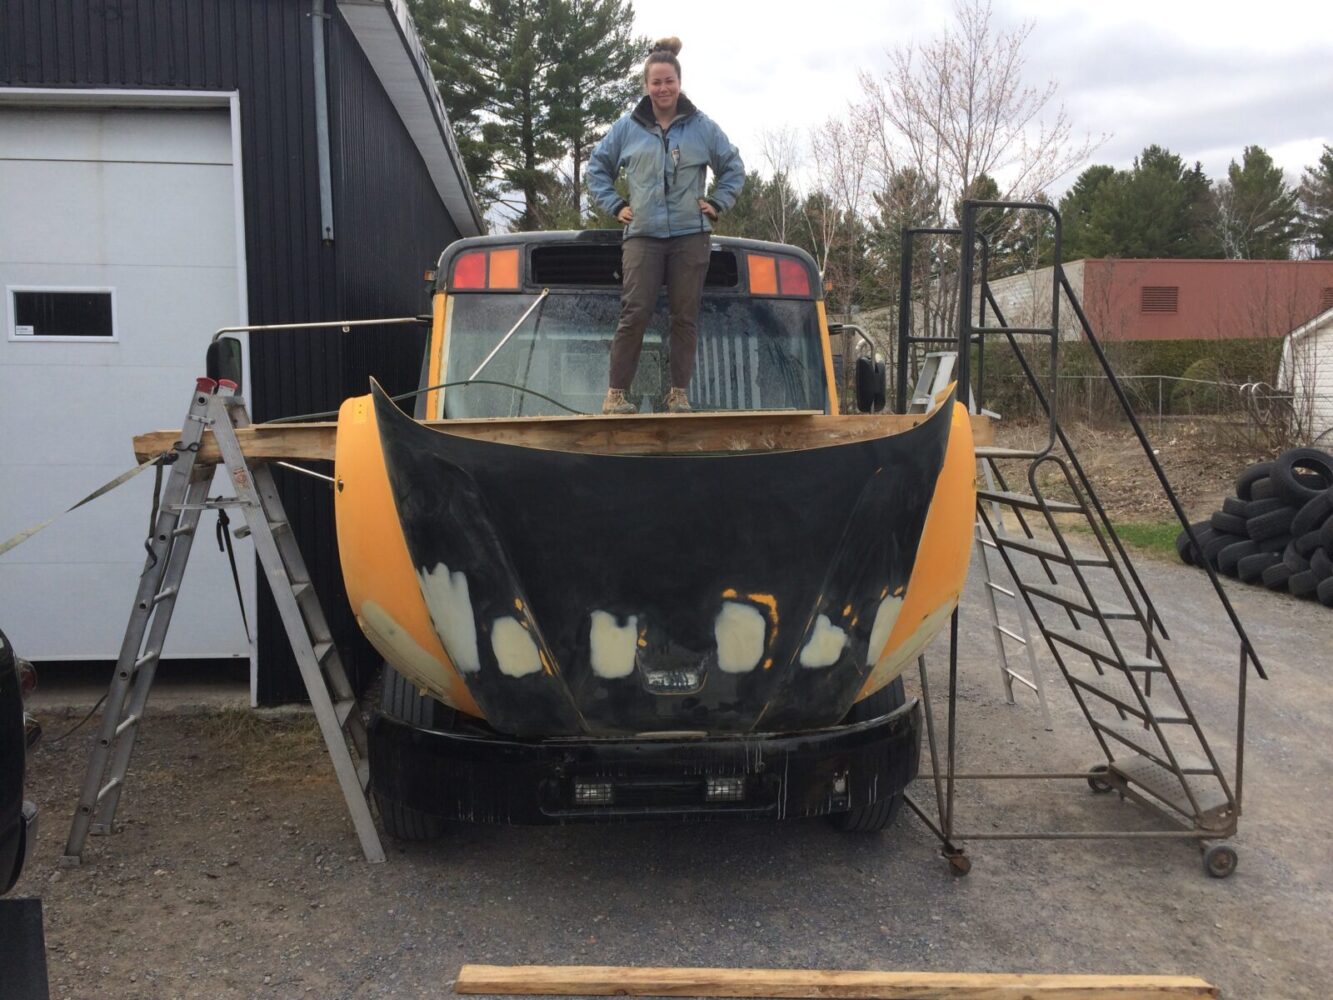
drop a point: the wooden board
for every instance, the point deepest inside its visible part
(641, 434)
(592, 980)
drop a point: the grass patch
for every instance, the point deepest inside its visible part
(1156, 538)
(266, 748)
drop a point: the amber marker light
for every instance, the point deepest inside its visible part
(504, 269)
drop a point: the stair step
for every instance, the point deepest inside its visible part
(1047, 550)
(1076, 600)
(1213, 801)
(1028, 502)
(1114, 686)
(1096, 646)
(1144, 741)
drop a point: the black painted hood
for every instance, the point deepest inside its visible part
(611, 594)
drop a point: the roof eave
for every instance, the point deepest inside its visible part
(386, 34)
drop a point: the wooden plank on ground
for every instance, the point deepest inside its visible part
(592, 980)
(641, 434)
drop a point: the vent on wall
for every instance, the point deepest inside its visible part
(1159, 298)
(1326, 300)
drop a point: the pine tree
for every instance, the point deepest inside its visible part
(1258, 217)
(528, 84)
(595, 78)
(1076, 210)
(1316, 194)
(1160, 208)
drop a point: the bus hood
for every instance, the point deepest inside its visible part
(580, 593)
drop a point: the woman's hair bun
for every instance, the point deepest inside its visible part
(671, 45)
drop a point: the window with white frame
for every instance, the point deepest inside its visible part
(68, 314)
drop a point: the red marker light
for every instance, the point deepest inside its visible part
(470, 270)
(793, 278)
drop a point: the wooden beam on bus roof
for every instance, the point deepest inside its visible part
(637, 434)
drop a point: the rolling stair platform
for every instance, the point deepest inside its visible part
(216, 407)
(1072, 578)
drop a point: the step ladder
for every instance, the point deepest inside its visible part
(933, 378)
(215, 406)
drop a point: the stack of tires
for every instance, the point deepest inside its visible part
(1277, 530)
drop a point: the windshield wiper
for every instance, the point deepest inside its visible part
(512, 330)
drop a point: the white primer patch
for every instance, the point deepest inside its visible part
(826, 644)
(451, 613)
(739, 631)
(612, 644)
(885, 618)
(402, 651)
(895, 660)
(515, 651)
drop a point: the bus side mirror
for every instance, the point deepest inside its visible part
(223, 360)
(871, 385)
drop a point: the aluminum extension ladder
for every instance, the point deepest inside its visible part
(216, 407)
(933, 378)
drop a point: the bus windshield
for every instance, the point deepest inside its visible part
(753, 354)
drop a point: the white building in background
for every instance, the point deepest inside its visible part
(1306, 371)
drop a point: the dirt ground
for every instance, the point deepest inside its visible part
(1201, 469)
(236, 872)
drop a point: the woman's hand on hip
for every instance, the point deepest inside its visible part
(626, 215)
(707, 208)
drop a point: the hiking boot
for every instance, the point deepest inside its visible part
(677, 401)
(615, 402)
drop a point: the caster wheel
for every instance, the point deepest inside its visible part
(1220, 860)
(1098, 783)
(959, 864)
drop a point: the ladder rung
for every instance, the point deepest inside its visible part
(1099, 648)
(299, 590)
(987, 541)
(147, 658)
(1052, 552)
(1165, 784)
(1014, 675)
(1011, 634)
(322, 649)
(162, 595)
(1076, 600)
(187, 530)
(1003, 590)
(1143, 740)
(108, 788)
(129, 722)
(1114, 687)
(343, 709)
(1027, 502)
(278, 526)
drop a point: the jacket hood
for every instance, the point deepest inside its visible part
(643, 111)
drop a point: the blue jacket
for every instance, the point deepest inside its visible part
(667, 173)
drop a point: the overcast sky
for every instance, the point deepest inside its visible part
(1204, 80)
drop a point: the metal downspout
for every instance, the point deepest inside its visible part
(317, 19)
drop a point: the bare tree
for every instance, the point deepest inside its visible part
(781, 151)
(957, 108)
(956, 111)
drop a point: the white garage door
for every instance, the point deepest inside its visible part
(117, 261)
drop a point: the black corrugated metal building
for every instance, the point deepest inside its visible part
(392, 190)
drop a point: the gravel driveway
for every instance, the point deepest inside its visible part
(237, 874)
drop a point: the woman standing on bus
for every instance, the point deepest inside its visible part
(665, 146)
